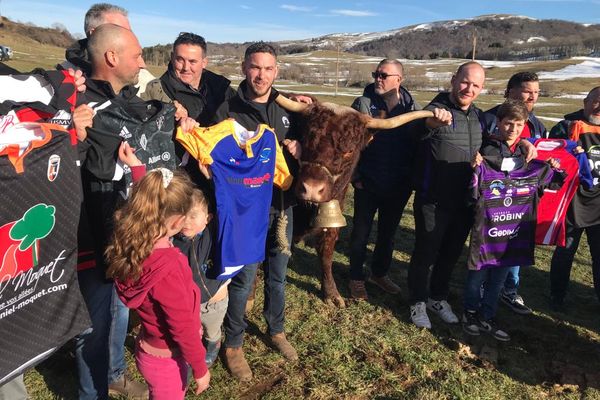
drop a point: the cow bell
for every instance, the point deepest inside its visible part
(329, 215)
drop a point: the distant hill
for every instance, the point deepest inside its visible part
(57, 36)
(499, 37)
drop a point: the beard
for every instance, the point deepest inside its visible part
(594, 119)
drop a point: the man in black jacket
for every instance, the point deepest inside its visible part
(382, 181)
(115, 61)
(188, 83)
(252, 105)
(442, 217)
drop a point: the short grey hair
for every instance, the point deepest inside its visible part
(94, 17)
(392, 61)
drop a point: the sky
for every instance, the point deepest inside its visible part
(160, 21)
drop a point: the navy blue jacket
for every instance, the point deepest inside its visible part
(537, 129)
(386, 164)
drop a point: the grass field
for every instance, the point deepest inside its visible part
(369, 350)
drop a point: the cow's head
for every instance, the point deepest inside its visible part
(332, 138)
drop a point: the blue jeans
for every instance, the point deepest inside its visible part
(239, 289)
(511, 285)
(275, 271)
(493, 281)
(91, 347)
(116, 341)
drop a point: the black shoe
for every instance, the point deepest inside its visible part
(557, 304)
(490, 327)
(515, 303)
(470, 323)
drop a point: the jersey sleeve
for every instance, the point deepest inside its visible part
(283, 179)
(200, 142)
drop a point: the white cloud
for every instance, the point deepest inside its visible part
(354, 13)
(290, 7)
(245, 7)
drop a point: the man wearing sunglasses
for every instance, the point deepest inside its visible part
(382, 181)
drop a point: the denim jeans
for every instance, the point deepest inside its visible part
(511, 285)
(389, 212)
(275, 271)
(91, 347)
(116, 341)
(492, 280)
(562, 260)
(239, 289)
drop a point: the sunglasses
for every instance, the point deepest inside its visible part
(382, 75)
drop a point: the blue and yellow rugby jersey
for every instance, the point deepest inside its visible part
(245, 166)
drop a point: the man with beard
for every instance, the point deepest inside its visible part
(382, 181)
(115, 62)
(254, 104)
(582, 126)
(522, 86)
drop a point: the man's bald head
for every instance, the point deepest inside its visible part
(116, 55)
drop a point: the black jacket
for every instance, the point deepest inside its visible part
(202, 103)
(249, 116)
(386, 164)
(561, 130)
(445, 154)
(536, 127)
(78, 56)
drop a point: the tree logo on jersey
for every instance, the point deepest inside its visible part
(19, 240)
(53, 167)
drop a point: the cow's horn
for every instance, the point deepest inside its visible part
(394, 122)
(290, 105)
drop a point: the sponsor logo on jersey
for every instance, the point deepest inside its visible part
(286, 121)
(506, 216)
(594, 157)
(53, 167)
(62, 118)
(265, 155)
(144, 141)
(8, 120)
(125, 133)
(549, 145)
(507, 201)
(523, 190)
(233, 161)
(253, 182)
(496, 186)
(154, 159)
(510, 233)
(19, 240)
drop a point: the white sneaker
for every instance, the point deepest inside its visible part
(443, 309)
(418, 315)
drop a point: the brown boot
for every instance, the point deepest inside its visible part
(237, 364)
(385, 284)
(358, 290)
(281, 343)
(125, 386)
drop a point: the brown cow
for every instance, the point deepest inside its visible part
(332, 138)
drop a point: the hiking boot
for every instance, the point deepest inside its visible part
(125, 386)
(236, 363)
(385, 284)
(470, 323)
(515, 303)
(282, 345)
(212, 351)
(443, 309)
(418, 315)
(490, 327)
(358, 290)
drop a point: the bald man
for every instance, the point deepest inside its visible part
(115, 62)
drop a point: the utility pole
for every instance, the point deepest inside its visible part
(337, 67)
(474, 44)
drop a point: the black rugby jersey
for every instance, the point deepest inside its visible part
(41, 306)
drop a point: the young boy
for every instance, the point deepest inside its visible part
(507, 192)
(195, 241)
